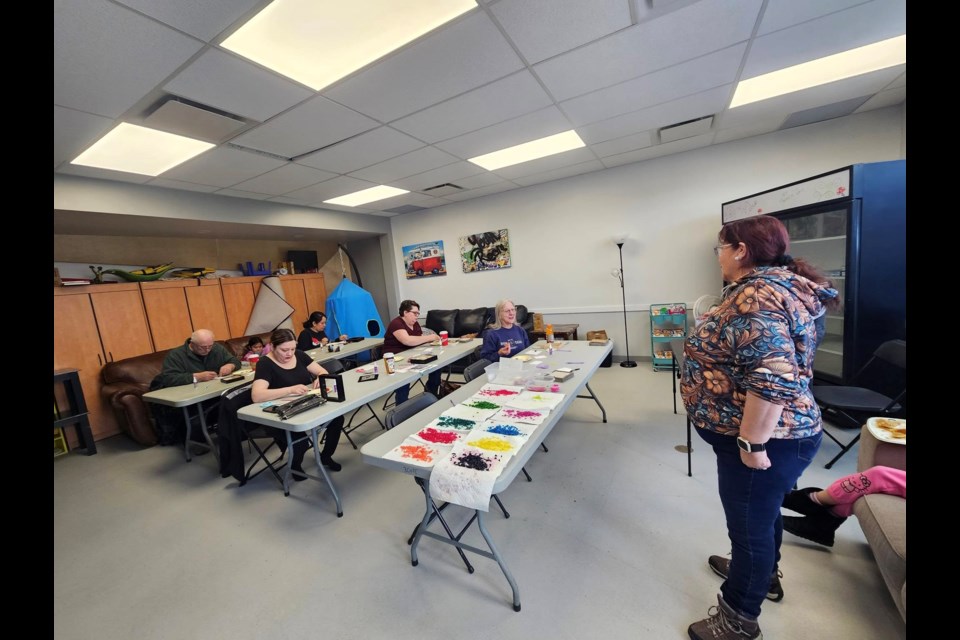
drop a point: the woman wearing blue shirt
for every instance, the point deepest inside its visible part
(504, 337)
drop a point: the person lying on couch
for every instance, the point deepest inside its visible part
(504, 337)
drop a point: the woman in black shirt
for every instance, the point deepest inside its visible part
(287, 371)
(313, 334)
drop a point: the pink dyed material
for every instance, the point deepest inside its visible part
(440, 437)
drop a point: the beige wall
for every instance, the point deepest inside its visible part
(184, 252)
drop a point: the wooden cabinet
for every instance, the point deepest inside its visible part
(91, 325)
(178, 308)
(96, 324)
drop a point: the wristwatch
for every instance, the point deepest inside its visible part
(750, 447)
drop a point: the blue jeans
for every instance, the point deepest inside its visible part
(751, 502)
(433, 384)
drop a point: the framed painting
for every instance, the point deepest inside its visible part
(424, 260)
(485, 251)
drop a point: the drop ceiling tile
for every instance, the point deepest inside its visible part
(333, 188)
(417, 199)
(226, 82)
(688, 108)
(522, 129)
(687, 144)
(901, 81)
(361, 151)
(74, 131)
(205, 20)
(106, 57)
(306, 128)
(238, 193)
(563, 172)
(181, 185)
(544, 28)
(479, 192)
(824, 112)
(462, 56)
(103, 174)
(684, 79)
(622, 145)
(684, 34)
(501, 100)
(406, 165)
(287, 178)
(781, 14)
(888, 98)
(549, 163)
(223, 167)
(754, 128)
(450, 173)
(840, 31)
(484, 179)
(783, 106)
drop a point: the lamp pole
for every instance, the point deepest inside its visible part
(623, 290)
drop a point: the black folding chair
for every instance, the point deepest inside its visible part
(848, 407)
(233, 431)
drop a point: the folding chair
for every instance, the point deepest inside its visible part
(334, 367)
(474, 371)
(848, 407)
(234, 431)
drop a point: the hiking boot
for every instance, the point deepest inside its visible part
(799, 500)
(725, 624)
(817, 528)
(721, 567)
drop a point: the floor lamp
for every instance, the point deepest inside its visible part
(619, 274)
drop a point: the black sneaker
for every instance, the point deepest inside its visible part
(817, 528)
(721, 567)
(330, 464)
(800, 502)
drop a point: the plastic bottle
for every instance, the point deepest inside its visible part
(388, 363)
(549, 336)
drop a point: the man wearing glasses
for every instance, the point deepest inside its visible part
(197, 360)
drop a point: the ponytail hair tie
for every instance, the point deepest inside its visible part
(785, 259)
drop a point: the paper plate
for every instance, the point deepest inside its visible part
(892, 430)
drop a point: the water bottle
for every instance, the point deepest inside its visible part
(549, 336)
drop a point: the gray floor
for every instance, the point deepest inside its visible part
(610, 540)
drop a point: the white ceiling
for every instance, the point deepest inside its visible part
(506, 72)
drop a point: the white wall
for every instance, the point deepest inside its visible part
(561, 232)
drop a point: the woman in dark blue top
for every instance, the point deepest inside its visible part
(504, 338)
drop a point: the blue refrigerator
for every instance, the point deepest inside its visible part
(851, 223)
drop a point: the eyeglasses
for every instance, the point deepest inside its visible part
(203, 347)
(416, 313)
(716, 249)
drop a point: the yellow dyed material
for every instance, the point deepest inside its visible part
(492, 444)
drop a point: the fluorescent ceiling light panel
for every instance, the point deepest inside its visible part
(855, 62)
(317, 42)
(136, 149)
(367, 195)
(527, 151)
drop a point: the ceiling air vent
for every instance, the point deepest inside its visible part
(686, 129)
(442, 189)
(194, 121)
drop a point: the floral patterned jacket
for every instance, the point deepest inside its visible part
(760, 338)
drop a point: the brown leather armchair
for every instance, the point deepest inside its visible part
(125, 382)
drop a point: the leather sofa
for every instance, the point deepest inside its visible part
(883, 517)
(125, 382)
(459, 322)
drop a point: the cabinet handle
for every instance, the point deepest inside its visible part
(99, 360)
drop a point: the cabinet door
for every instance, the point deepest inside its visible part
(122, 322)
(206, 308)
(167, 313)
(316, 292)
(76, 345)
(296, 297)
(238, 299)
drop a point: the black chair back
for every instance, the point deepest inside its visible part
(475, 370)
(408, 409)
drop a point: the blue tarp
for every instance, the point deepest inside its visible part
(350, 310)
